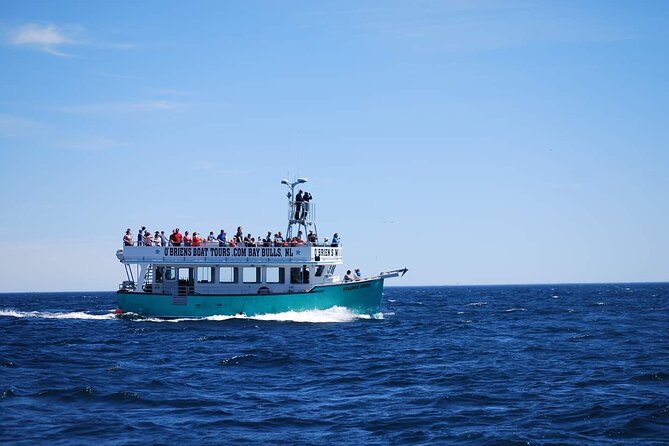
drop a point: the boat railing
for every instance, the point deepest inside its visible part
(305, 213)
(318, 244)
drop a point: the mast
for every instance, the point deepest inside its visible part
(303, 219)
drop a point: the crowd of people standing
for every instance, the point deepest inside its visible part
(177, 238)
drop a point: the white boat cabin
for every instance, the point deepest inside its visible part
(224, 270)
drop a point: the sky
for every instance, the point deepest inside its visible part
(473, 142)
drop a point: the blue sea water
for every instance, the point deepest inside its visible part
(569, 364)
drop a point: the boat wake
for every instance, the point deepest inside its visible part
(52, 315)
(334, 314)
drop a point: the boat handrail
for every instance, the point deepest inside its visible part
(239, 245)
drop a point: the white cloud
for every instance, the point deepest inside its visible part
(47, 38)
(51, 39)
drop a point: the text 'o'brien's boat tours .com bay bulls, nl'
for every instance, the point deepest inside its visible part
(190, 276)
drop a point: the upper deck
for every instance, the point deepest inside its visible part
(212, 254)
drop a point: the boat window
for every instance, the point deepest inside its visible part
(251, 274)
(159, 274)
(299, 275)
(227, 274)
(274, 274)
(205, 274)
(319, 271)
(184, 273)
(168, 273)
(186, 276)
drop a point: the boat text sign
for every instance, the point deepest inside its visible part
(241, 254)
(223, 251)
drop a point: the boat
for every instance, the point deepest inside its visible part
(227, 278)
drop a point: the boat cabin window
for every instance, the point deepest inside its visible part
(274, 274)
(319, 270)
(250, 274)
(186, 275)
(159, 274)
(228, 274)
(166, 273)
(205, 274)
(299, 275)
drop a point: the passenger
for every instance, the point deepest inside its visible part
(211, 238)
(163, 238)
(197, 240)
(335, 240)
(312, 238)
(358, 274)
(247, 240)
(298, 205)
(188, 240)
(173, 237)
(305, 205)
(127, 238)
(279, 239)
(148, 239)
(178, 238)
(348, 277)
(285, 243)
(232, 243)
(239, 234)
(156, 238)
(140, 236)
(267, 241)
(221, 238)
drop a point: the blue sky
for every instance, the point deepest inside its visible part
(473, 142)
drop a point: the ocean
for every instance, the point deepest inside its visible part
(499, 365)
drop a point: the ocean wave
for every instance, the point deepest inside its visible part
(334, 314)
(56, 315)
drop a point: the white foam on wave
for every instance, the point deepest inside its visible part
(334, 314)
(50, 315)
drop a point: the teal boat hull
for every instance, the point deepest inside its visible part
(361, 297)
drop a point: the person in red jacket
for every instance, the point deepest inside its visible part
(178, 238)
